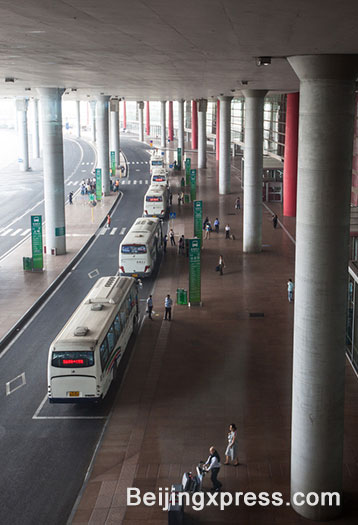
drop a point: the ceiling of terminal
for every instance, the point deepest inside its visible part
(165, 49)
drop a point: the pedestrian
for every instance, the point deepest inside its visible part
(168, 308)
(116, 185)
(122, 170)
(165, 240)
(290, 287)
(70, 197)
(170, 198)
(207, 230)
(171, 237)
(182, 197)
(231, 449)
(237, 204)
(205, 222)
(108, 220)
(181, 245)
(227, 231)
(83, 189)
(221, 265)
(150, 307)
(213, 465)
(179, 198)
(216, 225)
(182, 182)
(274, 221)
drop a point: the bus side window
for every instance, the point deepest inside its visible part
(104, 354)
(117, 326)
(111, 339)
(123, 316)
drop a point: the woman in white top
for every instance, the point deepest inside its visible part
(231, 449)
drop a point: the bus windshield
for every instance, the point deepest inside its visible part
(157, 163)
(159, 178)
(153, 199)
(69, 359)
(134, 248)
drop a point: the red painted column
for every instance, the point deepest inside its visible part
(147, 123)
(171, 128)
(290, 159)
(124, 115)
(194, 125)
(218, 130)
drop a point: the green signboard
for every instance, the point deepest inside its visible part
(113, 162)
(198, 219)
(193, 184)
(98, 184)
(194, 271)
(179, 158)
(59, 232)
(36, 239)
(187, 170)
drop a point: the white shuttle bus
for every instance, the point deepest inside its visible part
(156, 161)
(84, 356)
(140, 248)
(156, 201)
(160, 176)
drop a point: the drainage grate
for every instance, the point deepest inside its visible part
(256, 314)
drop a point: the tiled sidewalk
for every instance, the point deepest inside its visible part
(211, 366)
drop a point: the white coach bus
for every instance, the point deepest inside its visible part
(160, 176)
(156, 201)
(83, 358)
(140, 248)
(156, 161)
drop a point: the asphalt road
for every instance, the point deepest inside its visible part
(22, 192)
(45, 450)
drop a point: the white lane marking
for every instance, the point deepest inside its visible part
(123, 181)
(23, 215)
(82, 163)
(133, 162)
(134, 182)
(129, 181)
(92, 162)
(137, 170)
(137, 162)
(140, 182)
(83, 171)
(113, 231)
(36, 414)
(87, 163)
(20, 381)
(15, 232)
(147, 181)
(25, 232)
(6, 232)
(142, 162)
(122, 231)
(103, 231)
(93, 274)
(146, 162)
(69, 183)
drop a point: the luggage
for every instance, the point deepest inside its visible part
(175, 511)
(217, 269)
(191, 482)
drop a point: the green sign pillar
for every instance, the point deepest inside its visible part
(179, 158)
(198, 219)
(193, 184)
(113, 163)
(194, 271)
(36, 240)
(187, 171)
(98, 184)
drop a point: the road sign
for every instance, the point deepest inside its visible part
(113, 162)
(98, 184)
(36, 241)
(172, 215)
(194, 271)
(198, 219)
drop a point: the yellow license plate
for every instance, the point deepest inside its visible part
(134, 275)
(74, 394)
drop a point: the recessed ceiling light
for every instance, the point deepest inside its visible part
(263, 61)
(35, 32)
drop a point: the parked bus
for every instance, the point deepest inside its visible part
(160, 176)
(156, 201)
(84, 357)
(140, 248)
(156, 161)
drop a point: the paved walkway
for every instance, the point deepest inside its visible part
(210, 366)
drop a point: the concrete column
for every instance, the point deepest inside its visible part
(147, 123)
(22, 138)
(181, 126)
(114, 112)
(103, 140)
(141, 121)
(78, 118)
(202, 107)
(291, 154)
(35, 129)
(253, 155)
(163, 134)
(217, 144)
(93, 114)
(52, 150)
(225, 139)
(194, 125)
(326, 117)
(170, 122)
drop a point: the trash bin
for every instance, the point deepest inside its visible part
(186, 198)
(184, 297)
(179, 295)
(27, 263)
